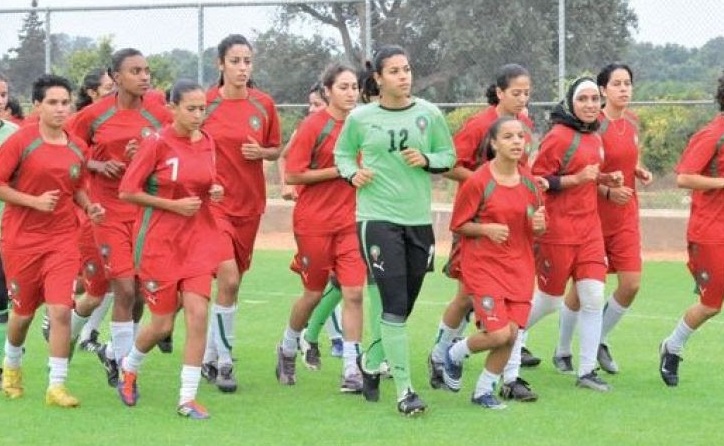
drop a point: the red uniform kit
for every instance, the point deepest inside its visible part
(620, 224)
(469, 144)
(573, 243)
(172, 252)
(704, 155)
(108, 130)
(324, 215)
(40, 249)
(232, 122)
(499, 277)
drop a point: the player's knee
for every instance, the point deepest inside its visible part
(590, 294)
(500, 338)
(352, 296)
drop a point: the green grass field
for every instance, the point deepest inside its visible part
(640, 410)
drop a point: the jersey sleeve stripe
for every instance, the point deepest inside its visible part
(571, 151)
(326, 131)
(150, 118)
(101, 119)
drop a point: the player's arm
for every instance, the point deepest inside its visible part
(458, 173)
(441, 158)
(10, 156)
(697, 181)
(346, 151)
(697, 158)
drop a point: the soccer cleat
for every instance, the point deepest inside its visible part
(193, 410)
(286, 368)
(58, 395)
(12, 382)
(527, 359)
(411, 404)
(45, 327)
(352, 383)
(518, 390)
(593, 382)
(605, 360)
(110, 365)
(563, 364)
(91, 344)
(225, 379)
(434, 371)
(669, 366)
(370, 381)
(337, 347)
(166, 344)
(310, 352)
(209, 371)
(452, 373)
(127, 388)
(488, 401)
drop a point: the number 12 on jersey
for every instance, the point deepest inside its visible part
(401, 144)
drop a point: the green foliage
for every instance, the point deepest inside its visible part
(26, 62)
(81, 61)
(456, 118)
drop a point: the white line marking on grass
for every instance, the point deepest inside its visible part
(254, 302)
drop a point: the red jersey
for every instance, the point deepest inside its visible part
(32, 120)
(327, 207)
(168, 245)
(572, 212)
(231, 122)
(507, 269)
(32, 166)
(469, 139)
(621, 152)
(107, 130)
(704, 155)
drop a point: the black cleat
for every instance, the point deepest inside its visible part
(370, 381)
(527, 359)
(669, 366)
(91, 344)
(564, 364)
(411, 404)
(209, 371)
(434, 370)
(518, 390)
(109, 365)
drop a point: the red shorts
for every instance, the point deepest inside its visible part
(40, 277)
(92, 270)
(706, 263)
(623, 250)
(162, 297)
(494, 313)
(452, 267)
(238, 237)
(114, 241)
(555, 264)
(319, 255)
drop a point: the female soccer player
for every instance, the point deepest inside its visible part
(42, 171)
(97, 84)
(244, 124)
(701, 169)
(173, 178)
(619, 213)
(400, 140)
(324, 227)
(497, 212)
(114, 127)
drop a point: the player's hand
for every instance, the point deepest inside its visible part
(414, 158)
(113, 168)
(131, 149)
(588, 173)
(496, 232)
(47, 201)
(611, 179)
(538, 220)
(542, 183)
(644, 175)
(289, 193)
(620, 195)
(187, 206)
(95, 212)
(216, 192)
(362, 178)
(252, 150)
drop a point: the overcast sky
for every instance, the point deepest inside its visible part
(660, 21)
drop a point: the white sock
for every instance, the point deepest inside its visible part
(512, 367)
(543, 305)
(487, 382)
(224, 336)
(132, 362)
(76, 324)
(58, 370)
(460, 331)
(13, 355)
(350, 350)
(524, 339)
(612, 313)
(122, 336)
(110, 353)
(290, 342)
(97, 316)
(459, 351)
(445, 336)
(333, 325)
(210, 353)
(567, 320)
(590, 293)
(674, 343)
(136, 329)
(190, 377)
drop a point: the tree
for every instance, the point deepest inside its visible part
(81, 61)
(27, 62)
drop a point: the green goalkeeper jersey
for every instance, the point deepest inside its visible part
(373, 137)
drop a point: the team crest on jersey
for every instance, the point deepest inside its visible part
(422, 123)
(146, 132)
(255, 123)
(487, 303)
(74, 171)
(151, 286)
